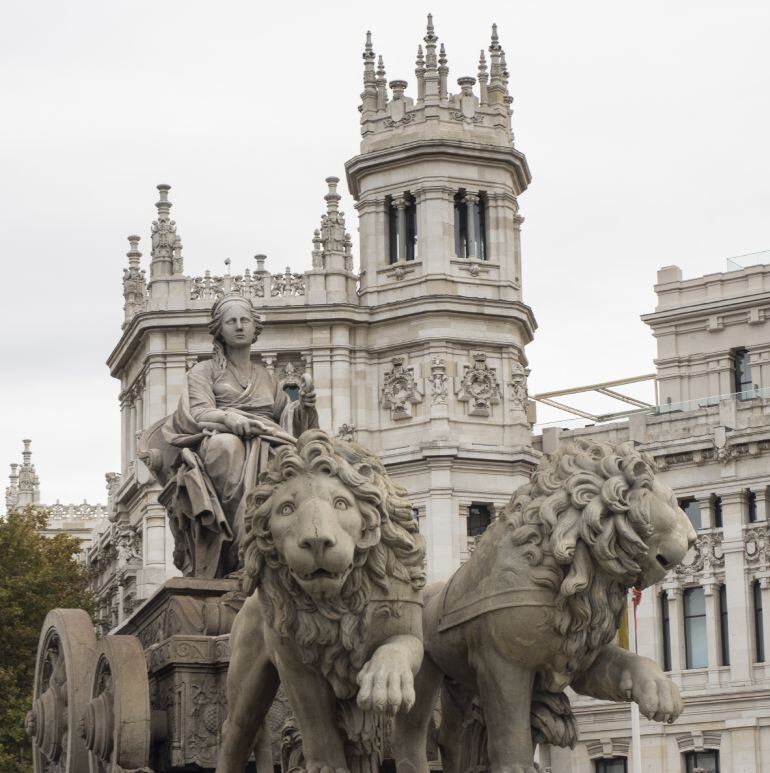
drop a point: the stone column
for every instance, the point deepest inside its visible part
(471, 200)
(399, 202)
(741, 649)
(441, 521)
(713, 621)
(124, 430)
(131, 431)
(340, 372)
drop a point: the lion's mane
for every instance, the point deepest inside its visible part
(332, 635)
(584, 519)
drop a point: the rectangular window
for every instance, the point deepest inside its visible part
(665, 631)
(759, 628)
(461, 225)
(751, 503)
(695, 642)
(411, 229)
(716, 504)
(479, 517)
(479, 215)
(612, 765)
(706, 761)
(392, 230)
(691, 508)
(742, 369)
(724, 630)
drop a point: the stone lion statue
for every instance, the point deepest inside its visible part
(536, 607)
(333, 552)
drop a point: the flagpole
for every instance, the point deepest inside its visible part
(636, 731)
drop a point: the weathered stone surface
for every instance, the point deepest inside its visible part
(334, 550)
(536, 607)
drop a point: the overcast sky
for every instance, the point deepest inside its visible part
(645, 125)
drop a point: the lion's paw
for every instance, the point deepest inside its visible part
(386, 682)
(658, 697)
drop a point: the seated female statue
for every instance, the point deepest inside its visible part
(231, 413)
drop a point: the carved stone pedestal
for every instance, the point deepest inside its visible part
(184, 631)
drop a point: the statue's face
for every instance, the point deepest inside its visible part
(237, 326)
(316, 524)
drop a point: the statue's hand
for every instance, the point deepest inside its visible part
(386, 683)
(307, 398)
(658, 697)
(238, 425)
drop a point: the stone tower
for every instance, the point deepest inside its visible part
(436, 185)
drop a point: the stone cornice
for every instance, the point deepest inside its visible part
(448, 150)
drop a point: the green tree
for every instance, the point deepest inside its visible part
(37, 574)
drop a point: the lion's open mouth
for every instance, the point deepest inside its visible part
(322, 574)
(663, 561)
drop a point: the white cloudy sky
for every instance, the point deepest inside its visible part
(645, 126)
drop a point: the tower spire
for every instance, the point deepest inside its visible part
(431, 65)
(369, 94)
(419, 71)
(163, 237)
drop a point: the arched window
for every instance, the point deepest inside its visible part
(470, 221)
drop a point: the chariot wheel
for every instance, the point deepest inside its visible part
(65, 655)
(115, 725)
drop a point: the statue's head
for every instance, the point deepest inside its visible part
(234, 321)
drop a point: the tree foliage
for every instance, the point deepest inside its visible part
(37, 574)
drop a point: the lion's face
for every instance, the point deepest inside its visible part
(671, 538)
(317, 526)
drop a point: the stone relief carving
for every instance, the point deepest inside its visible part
(518, 387)
(755, 545)
(706, 555)
(478, 386)
(347, 432)
(438, 381)
(400, 391)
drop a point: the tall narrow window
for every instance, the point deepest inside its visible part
(612, 765)
(724, 630)
(479, 517)
(470, 220)
(665, 631)
(461, 225)
(759, 628)
(716, 506)
(706, 761)
(742, 371)
(691, 509)
(696, 650)
(751, 502)
(402, 228)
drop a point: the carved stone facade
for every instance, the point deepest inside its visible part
(712, 444)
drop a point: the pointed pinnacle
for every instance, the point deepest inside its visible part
(442, 60)
(420, 61)
(380, 68)
(495, 43)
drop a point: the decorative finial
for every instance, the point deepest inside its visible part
(430, 45)
(442, 60)
(332, 198)
(133, 253)
(380, 68)
(227, 266)
(420, 61)
(495, 39)
(483, 78)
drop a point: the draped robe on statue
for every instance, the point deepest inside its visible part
(218, 468)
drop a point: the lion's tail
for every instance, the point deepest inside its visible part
(552, 719)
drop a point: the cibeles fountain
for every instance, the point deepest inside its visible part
(302, 632)
(310, 580)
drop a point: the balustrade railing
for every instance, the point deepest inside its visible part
(252, 286)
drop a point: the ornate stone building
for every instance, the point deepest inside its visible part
(707, 623)
(419, 354)
(83, 521)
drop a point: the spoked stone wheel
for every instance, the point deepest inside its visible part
(115, 725)
(65, 656)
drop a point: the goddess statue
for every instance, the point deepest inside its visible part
(231, 414)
